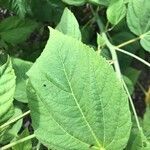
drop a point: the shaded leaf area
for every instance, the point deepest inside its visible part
(10, 132)
(15, 30)
(21, 67)
(27, 145)
(73, 95)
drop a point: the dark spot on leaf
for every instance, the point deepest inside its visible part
(44, 85)
(91, 146)
(144, 144)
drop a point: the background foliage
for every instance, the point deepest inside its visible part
(67, 70)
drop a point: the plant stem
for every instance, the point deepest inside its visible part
(14, 120)
(109, 45)
(132, 106)
(129, 42)
(114, 56)
(18, 142)
(132, 55)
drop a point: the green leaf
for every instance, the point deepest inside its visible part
(15, 30)
(75, 2)
(7, 88)
(47, 10)
(131, 75)
(11, 131)
(100, 41)
(138, 20)
(145, 41)
(20, 7)
(116, 11)
(100, 2)
(27, 145)
(75, 99)
(20, 68)
(69, 25)
(146, 122)
(138, 141)
(82, 2)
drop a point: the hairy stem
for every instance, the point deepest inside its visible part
(14, 120)
(18, 142)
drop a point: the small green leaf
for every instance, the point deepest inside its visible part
(11, 131)
(138, 20)
(116, 11)
(7, 88)
(145, 41)
(100, 40)
(75, 99)
(69, 25)
(146, 122)
(20, 68)
(15, 30)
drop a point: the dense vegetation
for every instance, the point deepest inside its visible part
(68, 70)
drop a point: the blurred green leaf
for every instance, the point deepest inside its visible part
(15, 30)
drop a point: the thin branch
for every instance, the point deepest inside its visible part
(17, 142)
(133, 55)
(14, 120)
(132, 105)
(109, 45)
(128, 42)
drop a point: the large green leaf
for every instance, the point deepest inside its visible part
(20, 68)
(75, 98)
(116, 11)
(69, 25)
(15, 30)
(7, 88)
(138, 19)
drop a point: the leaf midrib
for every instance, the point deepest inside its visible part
(76, 101)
